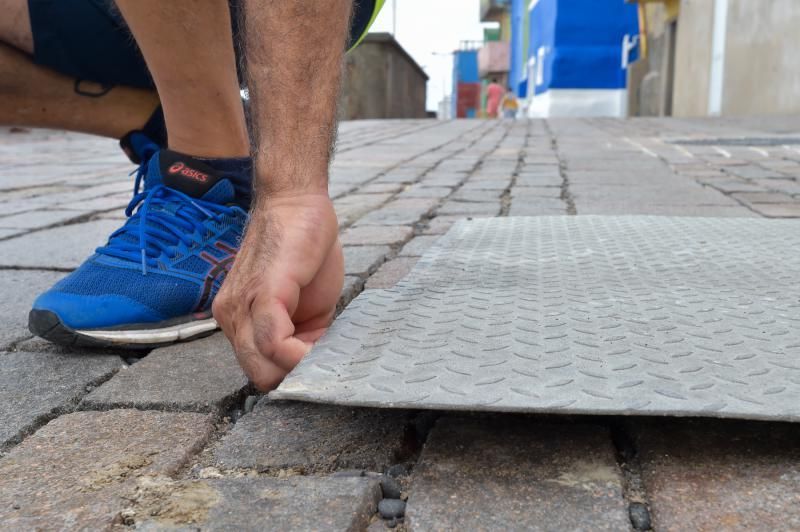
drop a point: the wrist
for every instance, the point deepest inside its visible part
(299, 175)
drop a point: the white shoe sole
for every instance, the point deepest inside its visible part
(174, 333)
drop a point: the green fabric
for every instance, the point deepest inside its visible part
(376, 9)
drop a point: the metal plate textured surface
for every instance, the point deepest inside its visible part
(578, 314)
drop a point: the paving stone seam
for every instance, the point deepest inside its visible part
(60, 206)
(633, 490)
(359, 136)
(13, 346)
(472, 170)
(217, 410)
(34, 268)
(404, 133)
(671, 166)
(396, 248)
(69, 407)
(33, 187)
(78, 219)
(356, 187)
(345, 299)
(566, 194)
(431, 213)
(729, 194)
(505, 198)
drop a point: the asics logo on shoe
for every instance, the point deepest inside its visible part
(185, 171)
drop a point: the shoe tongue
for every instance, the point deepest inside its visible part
(183, 173)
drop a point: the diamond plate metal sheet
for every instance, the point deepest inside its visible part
(581, 315)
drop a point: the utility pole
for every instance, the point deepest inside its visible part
(394, 18)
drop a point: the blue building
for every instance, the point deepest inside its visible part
(570, 57)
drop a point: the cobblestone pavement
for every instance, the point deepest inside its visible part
(177, 439)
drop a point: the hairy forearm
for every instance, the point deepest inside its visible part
(294, 52)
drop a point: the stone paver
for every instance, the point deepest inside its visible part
(7, 233)
(304, 437)
(762, 197)
(35, 387)
(62, 247)
(74, 472)
(37, 219)
(478, 196)
(513, 474)
(351, 208)
(400, 212)
(537, 209)
(417, 245)
(722, 476)
(19, 289)
(778, 210)
(466, 208)
(374, 235)
(391, 272)
(363, 260)
(292, 504)
(440, 224)
(422, 191)
(199, 376)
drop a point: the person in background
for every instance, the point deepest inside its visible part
(494, 93)
(509, 104)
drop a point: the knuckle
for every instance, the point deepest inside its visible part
(220, 307)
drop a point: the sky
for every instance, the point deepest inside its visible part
(426, 28)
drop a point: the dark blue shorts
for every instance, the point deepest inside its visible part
(88, 40)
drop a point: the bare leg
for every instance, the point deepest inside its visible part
(15, 25)
(188, 48)
(294, 86)
(282, 292)
(35, 96)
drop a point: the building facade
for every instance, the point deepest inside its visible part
(717, 57)
(466, 91)
(382, 80)
(570, 57)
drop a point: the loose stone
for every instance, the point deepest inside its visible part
(249, 403)
(391, 508)
(640, 516)
(390, 488)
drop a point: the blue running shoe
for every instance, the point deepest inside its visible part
(154, 281)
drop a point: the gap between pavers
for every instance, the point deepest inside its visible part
(35, 387)
(62, 247)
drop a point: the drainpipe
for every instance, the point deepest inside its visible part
(717, 76)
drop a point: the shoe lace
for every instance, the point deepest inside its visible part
(158, 227)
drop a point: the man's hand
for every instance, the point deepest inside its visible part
(282, 292)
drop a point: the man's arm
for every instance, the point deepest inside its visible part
(282, 292)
